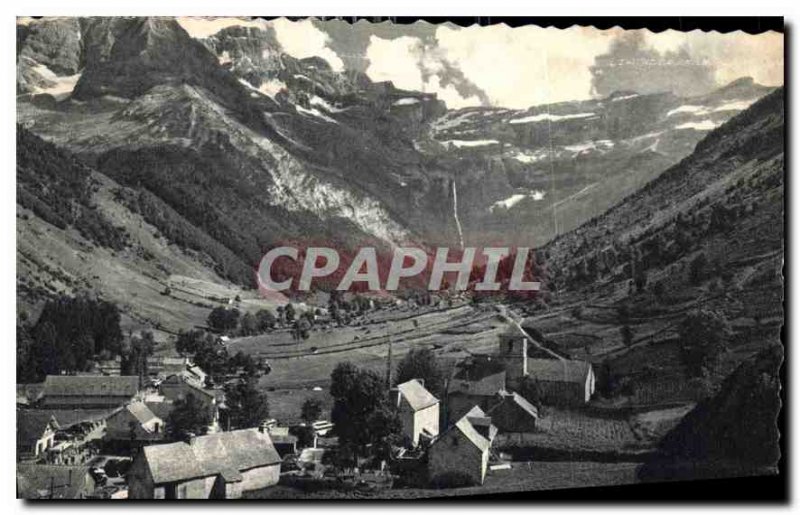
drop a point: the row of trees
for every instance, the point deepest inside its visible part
(208, 353)
(67, 336)
(232, 321)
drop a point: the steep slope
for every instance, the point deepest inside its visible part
(548, 169)
(705, 234)
(79, 232)
(155, 110)
(341, 158)
(734, 433)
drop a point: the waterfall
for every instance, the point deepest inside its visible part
(455, 216)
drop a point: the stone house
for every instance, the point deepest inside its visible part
(418, 410)
(513, 413)
(178, 387)
(36, 432)
(216, 466)
(462, 452)
(53, 482)
(136, 421)
(564, 382)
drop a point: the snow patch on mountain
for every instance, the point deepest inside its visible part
(516, 198)
(545, 117)
(705, 125)
(406, 101)
(315, 113)
(324, 104)
(461, 143)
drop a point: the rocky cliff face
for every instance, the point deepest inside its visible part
(257, 147)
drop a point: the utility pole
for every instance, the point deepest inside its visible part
(389, 365)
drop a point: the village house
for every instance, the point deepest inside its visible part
(136, 422)
(564, 382)
(88, 391)
(166, 365)
(513, 413)
(36, 432)
(53, 482)
(178, 387)
(461, 454)
(418, 410)
(28, 394)
(78, 431)
(474, 382)
(216, 466)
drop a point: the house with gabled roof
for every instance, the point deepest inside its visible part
(475, 381)
(512, 413)
(462, 452)
(178, 387)
(135, 422)
(36, 432)
(35, 481)
(418, 410)
(563, 381)
(216, 466)
(88, 391)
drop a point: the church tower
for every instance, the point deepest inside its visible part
(513, 351)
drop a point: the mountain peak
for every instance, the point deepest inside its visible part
(128, 56)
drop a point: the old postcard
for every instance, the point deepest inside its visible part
(339, 258)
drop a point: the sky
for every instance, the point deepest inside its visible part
(525, 66)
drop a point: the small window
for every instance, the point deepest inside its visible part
(454, 441)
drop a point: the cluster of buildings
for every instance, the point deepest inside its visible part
(65, 423)
(482, 401)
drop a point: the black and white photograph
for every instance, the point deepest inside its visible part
(368, 258)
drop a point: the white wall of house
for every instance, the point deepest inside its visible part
(426, 420)
(414, 422)
(261, 477)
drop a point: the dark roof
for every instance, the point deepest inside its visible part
(95, 386)
(36, 481)
(227, 454)
(160, 409)
(478, 376)
(518, 400)
(32, 424)
(557, 370)
(416, 395)
(70, 417)
(180, 379)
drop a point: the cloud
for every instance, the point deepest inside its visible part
(633, 64)
(686, 63)
(525, 66)
(302, 39)
(419, 64)
(203, 27)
